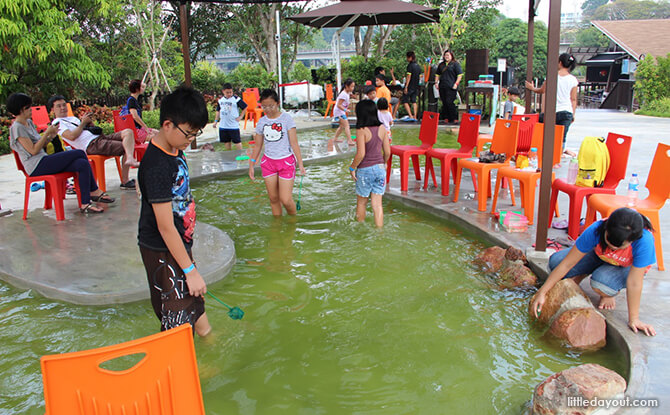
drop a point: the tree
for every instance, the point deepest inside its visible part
(39, 53)
(632, 9)
(481, 29)
(511, 42)
(591, 36)
(300, 73)
(590, 6)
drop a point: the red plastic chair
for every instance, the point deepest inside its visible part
(467, 138)
(54, 187)
(659, 191)
(330, 98)
(428, 136)
(526, 123)
(116, 113)
(619, 148)
(165, 380)
(504, 141)
(528, 179)
(121, 122)
(41, 118)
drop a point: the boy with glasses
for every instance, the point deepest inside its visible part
(167, 215)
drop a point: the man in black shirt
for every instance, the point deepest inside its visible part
(411, 86)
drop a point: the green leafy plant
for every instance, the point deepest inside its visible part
(652, 80)
(251, 76)
(300, 73)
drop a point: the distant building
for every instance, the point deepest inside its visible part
(570, 19)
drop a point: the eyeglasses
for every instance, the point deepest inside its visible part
(189, 135)
(269, 107)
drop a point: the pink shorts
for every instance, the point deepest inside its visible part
(285, 167)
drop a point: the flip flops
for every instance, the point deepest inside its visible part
(103, 198)
(560, 224)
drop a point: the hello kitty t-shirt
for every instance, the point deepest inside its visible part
(275, 135)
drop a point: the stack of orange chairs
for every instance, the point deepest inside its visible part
(330, 97)
(253, 109)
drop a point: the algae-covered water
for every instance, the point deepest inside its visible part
(341, 318)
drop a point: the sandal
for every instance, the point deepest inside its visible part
(103, 198)
(91, 208)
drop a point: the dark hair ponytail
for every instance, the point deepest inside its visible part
(346, 83)
(623, 225)
(568, 61)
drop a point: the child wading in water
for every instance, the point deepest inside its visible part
(616, 252)
(372, 152)
(277, 132)
(341, 110)
(167, 215)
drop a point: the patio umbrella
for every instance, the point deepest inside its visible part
(365, 13)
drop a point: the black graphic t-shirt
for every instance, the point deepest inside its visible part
(133, 103)
(163, 177)
(414, 69)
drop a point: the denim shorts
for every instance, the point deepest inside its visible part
(608, 278)
(370, 179)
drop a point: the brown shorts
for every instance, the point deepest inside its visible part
(107, 145)
(170, 298)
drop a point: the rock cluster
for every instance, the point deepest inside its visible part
(508, 267)
(578, 390)
(571, 316)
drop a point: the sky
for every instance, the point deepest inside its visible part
(519, 8)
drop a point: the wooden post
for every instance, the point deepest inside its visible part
(185, 49)
(529, 56)
(549, 124)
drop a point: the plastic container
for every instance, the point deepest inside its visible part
(521, 161)
(475, 112)
(515, 222)
(573, 169)
(633, 185)
(532, 158)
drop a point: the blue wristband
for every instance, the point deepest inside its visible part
(351, 168)
(189, 269)
(253, 160)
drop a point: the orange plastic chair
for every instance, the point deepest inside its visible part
(659, 191)
(619, 148)
(527, 179)
(330, 98)
(504, 141)
(98, 167)
(252, 108)
(70, 113)
(467, 138)
(165, 381)
(54, 186)
(428, 136)
(531, 118)
(41, 118)
(256, 93)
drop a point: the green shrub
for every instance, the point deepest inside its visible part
(656, 108)
(152, 118)
(251, 76)
(107, 127)
(324, 75)
(652, 79)
(300, 73)
(207, 78)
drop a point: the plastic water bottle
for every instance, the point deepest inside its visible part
(36, 186)
(532, 159)
(633, 185)
(573, 170)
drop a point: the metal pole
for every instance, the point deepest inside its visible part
(186, 52)
(549, 123)
(309, 103)
(337, 62)
(278, 37)
(529, 56)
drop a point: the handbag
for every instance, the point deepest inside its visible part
(93, 129)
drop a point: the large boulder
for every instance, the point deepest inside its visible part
(515, 254)
(581, 328)
(492, 259)
(572, 391)
(516, 275)
(565, 295)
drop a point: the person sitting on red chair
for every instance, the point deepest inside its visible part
(29, 145)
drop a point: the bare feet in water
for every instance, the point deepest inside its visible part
(607, 303)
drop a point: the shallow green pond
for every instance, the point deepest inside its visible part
(341, 318)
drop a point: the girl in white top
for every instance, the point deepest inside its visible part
(276, 131)
(566, 95)
(342, 108)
